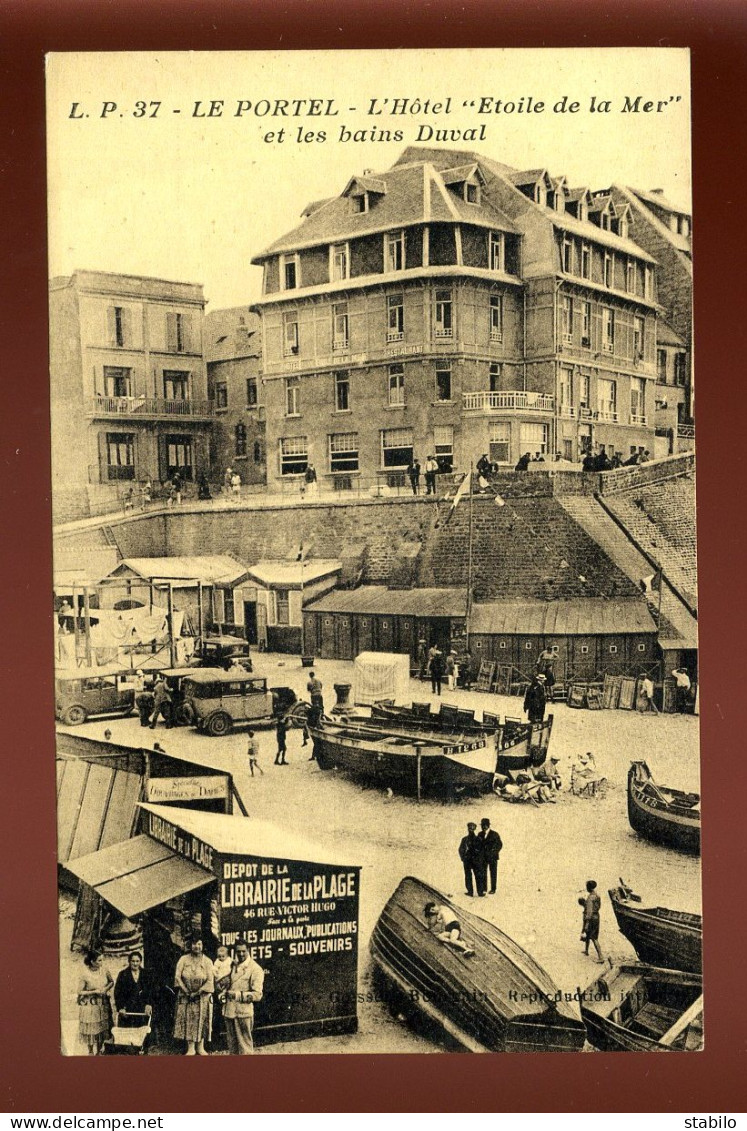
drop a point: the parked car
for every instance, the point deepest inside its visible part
(87, 693)
(216, 701)
(223, 651)
(181, 712)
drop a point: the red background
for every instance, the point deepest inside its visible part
(35, 1076)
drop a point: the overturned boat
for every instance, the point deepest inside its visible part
(497, 1000)
(635, 1007)
(662, 814)
(417, 763)
(672, 939)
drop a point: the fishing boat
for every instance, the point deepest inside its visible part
(497, 1000)
(635, 1007)
(673, 939)
(659, 813)
(519, 745)
(416, 763)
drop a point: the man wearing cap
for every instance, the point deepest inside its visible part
(469, 851)
(535, 699)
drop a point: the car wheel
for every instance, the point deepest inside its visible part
(218, 725)
(74, 716)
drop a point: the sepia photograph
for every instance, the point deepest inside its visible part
(374, 551)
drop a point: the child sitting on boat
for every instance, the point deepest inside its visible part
(448, 930)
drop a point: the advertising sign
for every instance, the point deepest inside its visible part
(187, 789)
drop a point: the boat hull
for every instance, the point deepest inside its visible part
(499, 1000)
(663, 823)
(668, 994)
(670, 939)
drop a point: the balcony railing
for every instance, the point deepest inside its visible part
(686, 431)
(492, 402)
(567, 410)
(607, 414)
(638, 418)
(148, 406)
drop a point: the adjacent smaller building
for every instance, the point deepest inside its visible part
(233, 349)
(282, 589)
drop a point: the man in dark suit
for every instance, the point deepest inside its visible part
(490, 846)
(469, 851)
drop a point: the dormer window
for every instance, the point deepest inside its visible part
(339, 262)
(540, 193)
(289, 272)
(496, 251)
(622, 227)
(360, 202)
(471, 193)
(583, 209)
(605, 221)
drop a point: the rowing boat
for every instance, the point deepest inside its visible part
(497, 1000)
(635, 1007)
(673, 939)
(408, 763)
(662, 814)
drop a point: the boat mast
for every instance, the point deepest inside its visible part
(469, 560)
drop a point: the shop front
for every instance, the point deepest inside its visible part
(233, 879)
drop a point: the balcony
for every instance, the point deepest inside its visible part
(149, 408)
(568, 411)
(638, 418)
(607, 415)
(499, 402)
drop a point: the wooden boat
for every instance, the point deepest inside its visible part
(639, 1008)
(667, 816)
(673, 939)
(498, 1000)
(519, 745)
(409, 763)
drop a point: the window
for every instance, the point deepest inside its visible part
(258, 455)
(443, 381)
(395, 311)
(630, 276)
(340, 339)
(221, 394)
(240, 440)
(568, 255)
(443, 443)
(176, 332)
(567, 318)
(586, 261)
(568, 450)
(282, 606)
(680, 369)
(396, 447)
(289, 272)
(607, 398)
(641, 647)
(290, 332)
(496, 318)
(566, 388)
(360, 202)
(175, 385)
(661, 366)
(609, 275)
(117, 316)
(540, 193)
(638, 337)
(605, 221)
(443, 314)
(292, 396)
(342, 391)
(622, 227)
(120, 455)
(251, 392)
(584, 390)
(500, 437)
(534, 438)
(396, 384)
(613, 649)
(608, 329)
(637, 406)
(394, 255)
(294, 455)
(339, 262)
(117, 382)
(496, 251)
(494, 376)
(343, 451)
(585, 323)
(179, 456)
(471, 193)
(648, 282)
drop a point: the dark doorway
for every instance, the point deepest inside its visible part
(250, 621)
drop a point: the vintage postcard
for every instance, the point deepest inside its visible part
(375, 594)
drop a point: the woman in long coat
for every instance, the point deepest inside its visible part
(95, 1016)
(194, 983)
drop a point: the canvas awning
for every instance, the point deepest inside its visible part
(138, 874)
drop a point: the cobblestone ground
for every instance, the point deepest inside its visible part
(549, 851)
